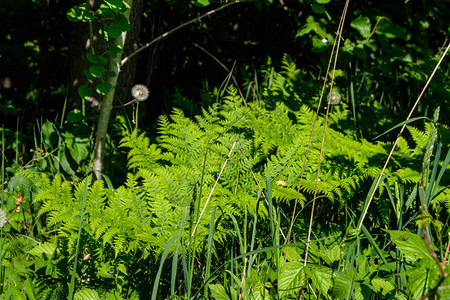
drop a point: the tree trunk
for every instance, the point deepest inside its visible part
(80, 46)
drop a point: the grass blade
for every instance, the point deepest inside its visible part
(175, 254)
(212, 230)
(163, 258)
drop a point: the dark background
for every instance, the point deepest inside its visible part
(42, 52)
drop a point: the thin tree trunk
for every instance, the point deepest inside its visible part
(107, 104)
(80, 46)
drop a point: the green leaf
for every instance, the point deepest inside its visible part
(391, 31)
(115, 5)
(360, 52)
(292, 277)
(84, 91)
(113, 31)
(97, 70)
(220, 293)
(86, 294)
(50, 133)
(321, 278)
(306, 28)
(80, 13)
(78, 147)
(410, 245)
(21, 183)
(96, 59)
(75, 116)
(202, 3)
(114, 50)
(323, 1)
(422, 277)
(341, 287)
(362, 25)
(317, 27)
(92, 58)
(88, 75)
(64, 162)
(330, 255)
(319, 45)
(44, 248)
(122, 23)
(318, 9)
(8, 109)
(382, 286)
(103, 88)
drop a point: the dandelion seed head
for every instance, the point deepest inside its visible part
(334, 98)
(3, 218)
(140, 92)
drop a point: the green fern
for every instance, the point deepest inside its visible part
(273, 135)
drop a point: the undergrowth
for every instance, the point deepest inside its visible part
(206, 209)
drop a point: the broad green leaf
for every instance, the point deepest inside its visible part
(391, 31)
(321, 278)
(97, 70)
(362, 25)
(80, 13)
(92, 58)
(306, 28)
(220, 293)
(122, 23)
(360, 52)
(21, 183)
(421, 278)
(382, 286)
(115, 5)
(319, 44)
(96, 59)
(64, 161)
(49, 132)
(341, 288)
(44, 248)
(84, 91)
(323, 1)
(410, 245)
(75, 116)
(88, 75)
(113, 31)
(78, 147)
(202, 3)
(103, 88)
(292, 254)
(8, 109)
(86, 294)
(445, 293)
(318, 9)
(260, 293)
(330, 255)
(362, 291)
(292, 278)
(114, 50)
